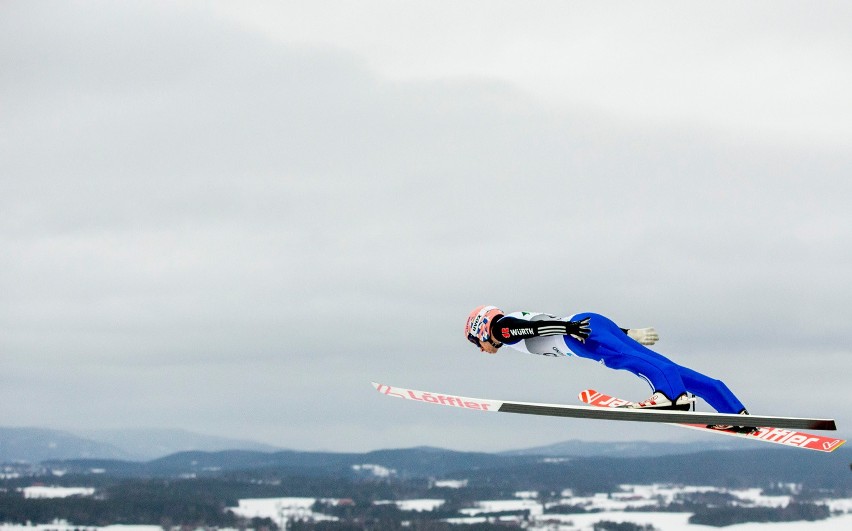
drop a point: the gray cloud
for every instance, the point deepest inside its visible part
(242, 233)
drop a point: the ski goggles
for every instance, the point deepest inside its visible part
(475, 340)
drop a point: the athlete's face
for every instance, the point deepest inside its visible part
(489, 347)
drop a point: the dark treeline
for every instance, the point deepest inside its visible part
(84, 511)
(196, 502)
(725, 516)
(186, 503)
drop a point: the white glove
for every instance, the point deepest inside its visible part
(645, 336)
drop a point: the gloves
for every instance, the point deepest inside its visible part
(645, 336)
(579, 330)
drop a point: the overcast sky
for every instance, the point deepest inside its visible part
(232, 218)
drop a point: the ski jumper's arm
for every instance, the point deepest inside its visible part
(510, 330)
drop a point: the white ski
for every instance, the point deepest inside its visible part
(593, 412)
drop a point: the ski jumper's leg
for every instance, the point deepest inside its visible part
(615, 349)
(714, 392)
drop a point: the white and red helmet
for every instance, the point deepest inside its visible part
(478, 326)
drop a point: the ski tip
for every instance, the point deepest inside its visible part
(824, 424)
(840, 443)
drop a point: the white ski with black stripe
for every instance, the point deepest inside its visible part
(593, 412)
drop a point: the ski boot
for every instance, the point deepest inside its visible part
(659, 400)
(736, 429)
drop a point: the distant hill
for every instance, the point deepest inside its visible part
(148, 444)
(34, 445)
(413, 462)
(577, 448)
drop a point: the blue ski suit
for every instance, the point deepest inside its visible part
(611, 346)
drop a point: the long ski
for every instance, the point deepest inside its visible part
(595, 412)
(775, 435)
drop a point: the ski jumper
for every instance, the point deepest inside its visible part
(541, 333)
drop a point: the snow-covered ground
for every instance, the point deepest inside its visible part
(450, 483)
(281, 510)
(577, 522)
(375, 470)
(631, 503)
(56, 492)
(607, 506)
(639, 496)
(415, 505)
(678, 522)
(498, 506)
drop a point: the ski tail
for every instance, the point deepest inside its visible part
(785, 437)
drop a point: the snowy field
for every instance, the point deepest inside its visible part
(679, 521)
(56, 492)
(282, 510)
(640, 500)
(608, 506)
(583, 522)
